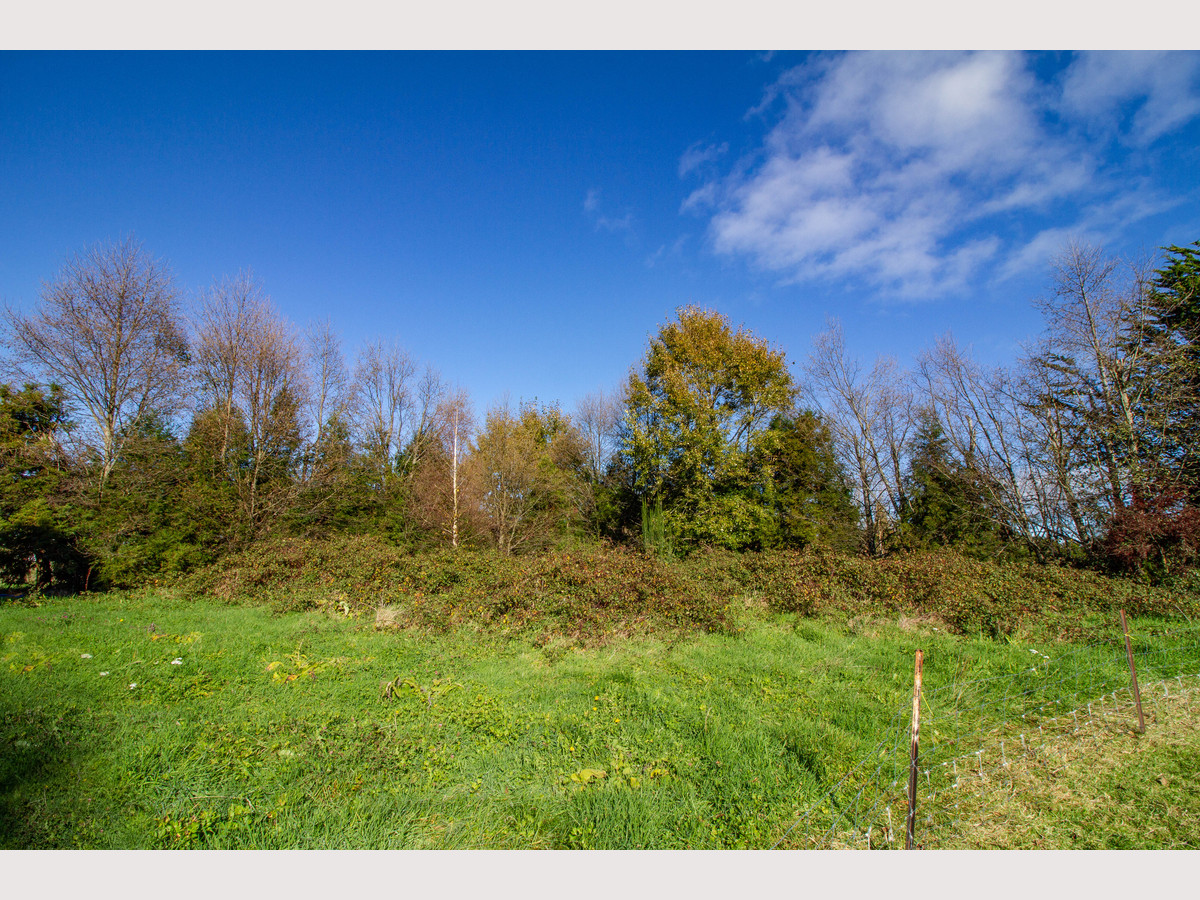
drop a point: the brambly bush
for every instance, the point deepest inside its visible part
(592, 595)
(968, 596)
(587, 595)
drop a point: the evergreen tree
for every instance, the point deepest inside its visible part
(805, 487)
(39, 528)
(137, 525)
(1173, 321)
(945, 504)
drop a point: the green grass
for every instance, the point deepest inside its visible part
(272, 730)
(1102, 786)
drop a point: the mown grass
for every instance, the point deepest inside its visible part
(272, 729)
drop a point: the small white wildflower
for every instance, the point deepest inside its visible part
(1031, 650)
(85, 656)
(177, 661)
(132, 685)
(103, 673)
(1034, 671)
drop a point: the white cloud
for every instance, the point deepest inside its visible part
(1162, 86)
(1037, 252)
(909, 170)
(1041, 184)
(957, 109)
(1098, 226)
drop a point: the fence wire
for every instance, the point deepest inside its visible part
(973, 729)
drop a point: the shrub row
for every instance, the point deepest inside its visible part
(585, 594)
(967, 595)
(593, 593)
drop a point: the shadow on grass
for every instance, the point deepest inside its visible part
(40, 743)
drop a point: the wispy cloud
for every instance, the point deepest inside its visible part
(1143, 94)
(1099, 224)
(602, 222)
(698, 155)
(608, 223)
(911, 171)
(672, 250)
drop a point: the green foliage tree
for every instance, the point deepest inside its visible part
(527, 471)
(804, 485)
(945, 503)
(334, 495)
(696, 415)
(38, 527)
(1173, 322)
(136, 527)
(208, 492)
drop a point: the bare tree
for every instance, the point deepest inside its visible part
(330, 383)
(1064, 438)
(598, 418)
(382, 402)
(1093, 360)
(250, 364)
(107, 330)
(870, 415)
(431, 401)
(1059, 488)
(992, 428)
(229, 317)
(455, 417)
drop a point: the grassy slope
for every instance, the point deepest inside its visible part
(271, 732)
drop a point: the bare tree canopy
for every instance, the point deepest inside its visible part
(444, 491)
(251, 370)
(870, 416)
(108, 331)
(330, 381)
(598, 417)
(383, 401)
(1095, 360)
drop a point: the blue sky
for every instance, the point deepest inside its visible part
(525, 221)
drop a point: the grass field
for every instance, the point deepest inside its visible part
(147, 720)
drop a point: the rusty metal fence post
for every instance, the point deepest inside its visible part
(1137, 694)
(910, 827)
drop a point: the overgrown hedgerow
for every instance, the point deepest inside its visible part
(593, 593)
(583, 594)
(969, 596)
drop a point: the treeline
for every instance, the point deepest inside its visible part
(140, 439)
